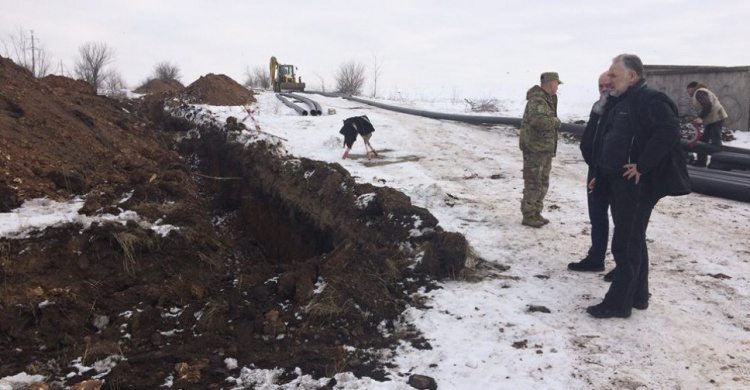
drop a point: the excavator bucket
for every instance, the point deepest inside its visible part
(293, 87)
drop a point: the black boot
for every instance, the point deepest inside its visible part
(586, 265)
(603, 311)
(610, 276)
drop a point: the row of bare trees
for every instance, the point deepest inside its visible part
(94, 64)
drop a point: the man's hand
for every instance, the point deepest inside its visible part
(591, 184)
(631, 170)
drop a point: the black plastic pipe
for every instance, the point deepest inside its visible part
(703, 181)
(297, 108)
(315, 108)
(474, 119)
(720, 186)
(710, 149)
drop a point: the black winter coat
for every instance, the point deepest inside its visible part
(642, 127)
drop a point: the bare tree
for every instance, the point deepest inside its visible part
(258, 77)
(262, 77)
(91, 63)
(376, 67)
(249, 78)
(24, 49)
(113, 83)
(350, 78)
(166, 71)
(322, 81)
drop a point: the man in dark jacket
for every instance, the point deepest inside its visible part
(638, 160)
(598, 204)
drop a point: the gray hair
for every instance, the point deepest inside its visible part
(630, 62)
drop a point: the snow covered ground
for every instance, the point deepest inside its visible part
(694, 335)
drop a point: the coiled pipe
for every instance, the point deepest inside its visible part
(315, 108)
(297, 108)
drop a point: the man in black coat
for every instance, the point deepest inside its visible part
(598, 204)
(638, 160)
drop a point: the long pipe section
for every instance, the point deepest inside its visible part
(516, 122)
(315, 108)
(297, 108)
(709, 182)
(476, 119)
(716, 183)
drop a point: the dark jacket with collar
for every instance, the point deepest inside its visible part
(641, 127)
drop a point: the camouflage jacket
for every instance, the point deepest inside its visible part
(540, 123)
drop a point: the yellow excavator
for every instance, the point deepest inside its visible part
(283, 77)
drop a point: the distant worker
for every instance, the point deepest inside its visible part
(710, 113)
(357, 125)
(538, 142)
(598, 204)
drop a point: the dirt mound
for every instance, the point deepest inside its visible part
(59, 139)
(218, 90)
(65, 85)
(157, 86)
(272, 261)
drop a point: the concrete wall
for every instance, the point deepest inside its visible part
(730, 84)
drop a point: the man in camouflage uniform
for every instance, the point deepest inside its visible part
(538, 142)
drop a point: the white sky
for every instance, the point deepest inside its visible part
(455, 48)
(694, 335)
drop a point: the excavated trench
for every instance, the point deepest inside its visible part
(280, 230)
(295, 209)
(342, 258)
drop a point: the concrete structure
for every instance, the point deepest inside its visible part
(730, 84)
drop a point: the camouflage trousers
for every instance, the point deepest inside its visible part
(536, 168)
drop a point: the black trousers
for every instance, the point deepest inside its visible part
(631, 206)
(712, 135)
(598, 205)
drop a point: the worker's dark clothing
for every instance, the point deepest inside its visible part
(598, 204)
(713, 115)
(638, 127)
(356, 125)
(712, 135)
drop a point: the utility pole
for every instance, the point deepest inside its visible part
(33, 55)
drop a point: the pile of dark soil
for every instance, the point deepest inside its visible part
(59, 139)
(218, 90)
(276, 262)
(157, 86)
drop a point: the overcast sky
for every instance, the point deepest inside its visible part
(459, 48)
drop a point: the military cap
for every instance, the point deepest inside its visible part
(549, 76)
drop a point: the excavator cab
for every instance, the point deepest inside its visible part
(286, 73)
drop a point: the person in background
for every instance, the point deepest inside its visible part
(710, 113)
(638, 160)
(598, 205)
(538, 142)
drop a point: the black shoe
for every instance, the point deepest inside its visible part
(610, 276)
(586, 266)
(602, 311)
(640, 305)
